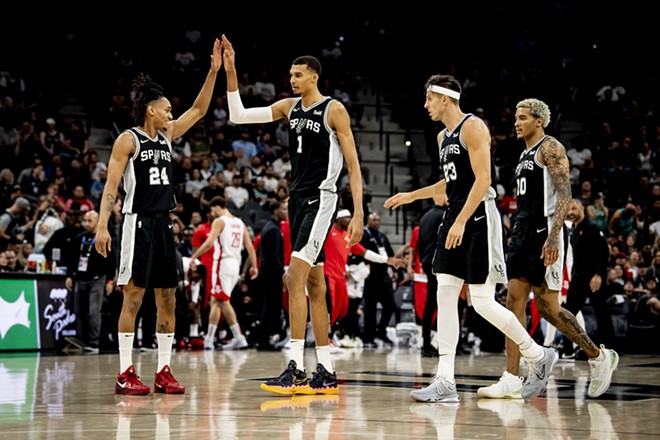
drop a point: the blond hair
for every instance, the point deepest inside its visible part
(537, 108)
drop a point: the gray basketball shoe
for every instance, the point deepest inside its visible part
(439, 390)
(539, 372)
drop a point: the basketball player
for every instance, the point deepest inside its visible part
(535, 258)
(142, 157)
(320, 134)
(470, 246)
(228, 238)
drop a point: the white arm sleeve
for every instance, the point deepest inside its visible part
(376, 258)
(241, 115)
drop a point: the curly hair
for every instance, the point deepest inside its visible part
(537, 108)
(146, 92)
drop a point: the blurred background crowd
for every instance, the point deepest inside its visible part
(60, 86)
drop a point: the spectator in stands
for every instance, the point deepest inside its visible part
(194, 186)
(14, 221)
(235, 193)
(79, 175)
(265, 89)
(219, 113)
(270, 180)
(52, 140)
(3, 262)
(200, 146)
(282, 165)
(266, 148)
(33, 180)
(6, 187)
(76, 140)
(12, 263)
(623, 221)
(586, 196)
(79, 201)
(96, 190)
(209, 191)
(245, 143)
(598, 212)
(205, 168)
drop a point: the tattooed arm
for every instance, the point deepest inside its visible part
(121, 151)
(553, 154)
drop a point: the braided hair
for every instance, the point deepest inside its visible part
(146, 92)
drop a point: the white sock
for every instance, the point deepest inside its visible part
(297, 352)
(125, 350)
(164, 349)
(210, 334)
(235, 329)
(324, 358)
(530, 350)
(194, 330)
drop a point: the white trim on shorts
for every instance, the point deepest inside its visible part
(320, 228)
(554, 274)
(127, 248)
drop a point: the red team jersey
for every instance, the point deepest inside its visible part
(336, 257)
(199, 237)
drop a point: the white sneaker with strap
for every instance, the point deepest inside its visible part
(508, 387)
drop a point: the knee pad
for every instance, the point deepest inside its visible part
(449, 281)
(482, 295)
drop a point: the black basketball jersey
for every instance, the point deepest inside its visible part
(456, 167)
(316, 156)
(536, 195)
(147, 178)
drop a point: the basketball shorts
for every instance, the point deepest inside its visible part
(147, 252)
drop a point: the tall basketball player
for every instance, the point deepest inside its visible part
(320, 139)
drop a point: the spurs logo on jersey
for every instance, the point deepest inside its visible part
(155, 156)
(536, 196)
(147, 178)
(456, 167)
(316, 156)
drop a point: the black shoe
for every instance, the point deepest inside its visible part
(322, 382)
(429, 352)
(291, 381)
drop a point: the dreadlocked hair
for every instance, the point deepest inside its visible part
(146, 92)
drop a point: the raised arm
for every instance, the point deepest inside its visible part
(237, 113)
